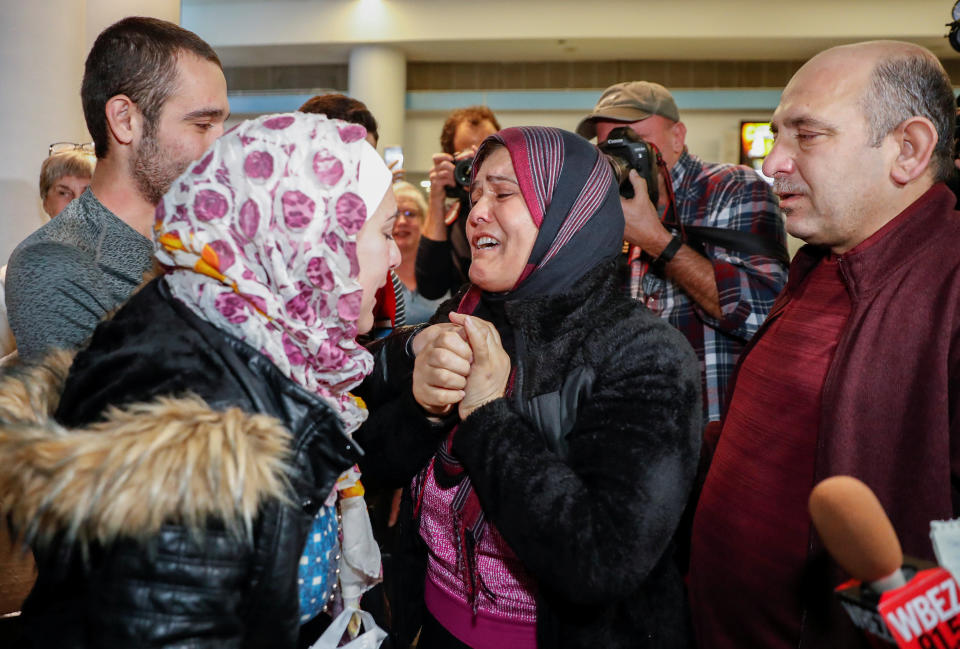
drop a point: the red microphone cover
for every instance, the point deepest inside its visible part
(855, 529)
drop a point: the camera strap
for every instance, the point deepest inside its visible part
(634, 252)
(747, 243)
(698, 236)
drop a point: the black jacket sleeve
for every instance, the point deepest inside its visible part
(608, 510)
(398, 440)
(392, 368)
(435, 271)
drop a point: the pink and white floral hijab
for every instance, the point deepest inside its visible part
(259, 239)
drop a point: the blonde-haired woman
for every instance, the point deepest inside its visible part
(411, 211)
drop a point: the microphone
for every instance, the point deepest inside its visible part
(922, 612)
(857, 533)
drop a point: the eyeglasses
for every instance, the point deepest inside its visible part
(63, 147)
(410, 214)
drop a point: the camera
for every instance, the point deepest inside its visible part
(626, 150)
(462, 171)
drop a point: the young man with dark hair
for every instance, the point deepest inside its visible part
(154, 98)
(337, 106)
(443, 257)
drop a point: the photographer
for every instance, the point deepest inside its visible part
(443, 257)
(717, 289)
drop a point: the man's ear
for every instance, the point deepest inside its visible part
(916, 138)
(679, 137)
(124, 120)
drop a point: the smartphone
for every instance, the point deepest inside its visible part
(393, 156)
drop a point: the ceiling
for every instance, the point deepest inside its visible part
(557, 50)
(291, 32)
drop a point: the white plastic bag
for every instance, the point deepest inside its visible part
(371, 638)
(360, 568)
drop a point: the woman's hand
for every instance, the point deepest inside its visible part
(442, 365)
(490, 370)
(427, 335)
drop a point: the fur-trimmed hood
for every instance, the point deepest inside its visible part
(143, 465)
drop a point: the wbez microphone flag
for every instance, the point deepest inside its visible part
(910, 603)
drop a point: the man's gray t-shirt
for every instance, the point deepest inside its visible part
(63, 278)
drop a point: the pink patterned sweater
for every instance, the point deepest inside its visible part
(514, 608)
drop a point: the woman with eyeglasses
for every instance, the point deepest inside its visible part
(412, 210)
(565, 424)
(64, 175)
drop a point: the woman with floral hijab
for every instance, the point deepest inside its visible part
(168, 480)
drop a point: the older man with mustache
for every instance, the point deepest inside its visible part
(856, 370)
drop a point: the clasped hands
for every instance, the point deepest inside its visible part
(461, 363)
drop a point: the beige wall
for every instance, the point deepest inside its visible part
(712, 135)
(43, 46)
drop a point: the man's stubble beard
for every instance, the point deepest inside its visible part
(155, 169)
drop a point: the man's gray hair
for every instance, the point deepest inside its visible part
(907, 85)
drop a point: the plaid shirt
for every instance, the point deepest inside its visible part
(720, 196)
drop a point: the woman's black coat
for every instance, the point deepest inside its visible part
(585, 469)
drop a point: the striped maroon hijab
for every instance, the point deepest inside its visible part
(569, 189)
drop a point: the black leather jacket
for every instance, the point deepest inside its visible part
(189, 532)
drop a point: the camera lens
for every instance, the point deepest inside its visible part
(462, 172)
(621, 169)
(621, 172)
